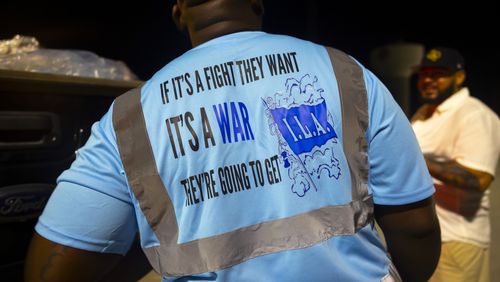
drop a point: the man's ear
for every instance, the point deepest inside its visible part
(257, 7)
(459, 78)
(177, 18)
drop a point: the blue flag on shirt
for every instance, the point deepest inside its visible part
(304, 127)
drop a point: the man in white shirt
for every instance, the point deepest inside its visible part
(460, 138)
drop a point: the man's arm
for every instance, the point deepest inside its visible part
(49, 261)
(413, 237)
(452, 173)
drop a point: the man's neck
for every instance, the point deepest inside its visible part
(210, 19)
(210, 32)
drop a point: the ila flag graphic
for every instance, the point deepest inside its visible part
(304, 127)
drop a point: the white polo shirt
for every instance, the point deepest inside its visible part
(465, 130)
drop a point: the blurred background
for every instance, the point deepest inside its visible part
(141, 33)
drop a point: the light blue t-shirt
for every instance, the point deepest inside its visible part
(245, 128)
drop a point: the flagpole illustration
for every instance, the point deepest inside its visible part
(298, 157)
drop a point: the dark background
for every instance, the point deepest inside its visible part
(141, 33)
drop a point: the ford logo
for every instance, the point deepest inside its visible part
(24, 201)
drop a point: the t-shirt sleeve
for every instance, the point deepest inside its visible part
(478, 142)
(91, 208)
(398, 174)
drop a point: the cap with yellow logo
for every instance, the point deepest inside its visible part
(442, 57)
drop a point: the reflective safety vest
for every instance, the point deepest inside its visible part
(221, 251)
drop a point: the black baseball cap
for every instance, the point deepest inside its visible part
(442, 57)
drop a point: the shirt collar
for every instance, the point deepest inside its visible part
(236, 36)
(454, 100)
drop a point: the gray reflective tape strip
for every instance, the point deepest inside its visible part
(139, 164)
(227, 249)
(354, 101)
(295, 232)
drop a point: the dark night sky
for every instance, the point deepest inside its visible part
(142, 35)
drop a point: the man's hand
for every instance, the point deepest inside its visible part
(460, 201)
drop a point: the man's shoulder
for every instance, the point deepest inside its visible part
(472, 107)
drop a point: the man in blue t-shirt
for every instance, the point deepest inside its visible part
(252, 157)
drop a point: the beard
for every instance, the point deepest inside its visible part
(441, 97)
